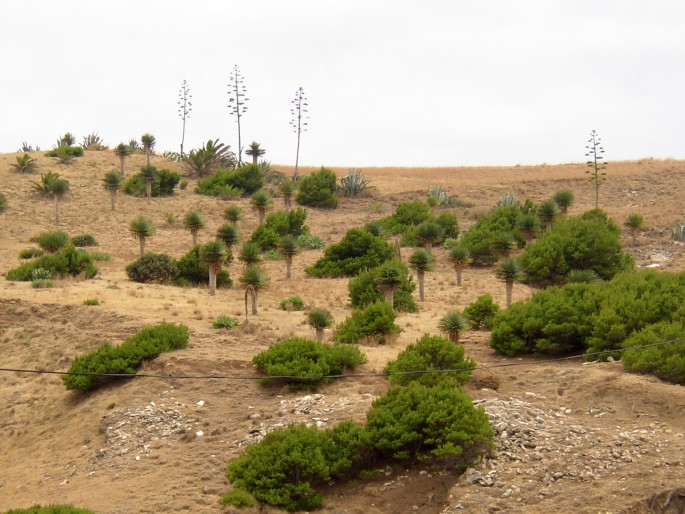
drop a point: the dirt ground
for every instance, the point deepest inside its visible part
(572, 436)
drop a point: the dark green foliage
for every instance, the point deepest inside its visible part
(147, 344)
(65, 153)
(163, 184)
(436, 424)
(279, 224)
(50, 509)
(450, 225)
(24, 164)
(67, 261)
(588, 242)
(481, 312)
(152, 267)
(354, 183)
(664, 361)
(247, 179)
(225, 322)
(83, 241)
(372, 323)
(409, 213)
(44, 186)
(318, 190)
(31, 253)
(51, 241)
(482, 239)
(192, 271)
(238, 498)
(3, 203)
(211, 156)
(363, 289)
(427, 354)
(294, 303)
(298, 358)
(358, 250)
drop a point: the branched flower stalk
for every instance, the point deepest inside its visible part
(299, 123)
(236, 103)
(184, 109)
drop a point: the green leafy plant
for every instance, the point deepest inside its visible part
(51, 509)
(250, 254)
(3, 203)
(194, 221)
(354, 184)
(51, 241)
(509, 271)
(142, 228)
(192, 271)
(43, 186)
(319, 320)
(58, 189)
(225, 322)
(151, 182)
(83, 240)
(373, 323)
(634, 223)
(665, 361)
(93, 142)
(112, 183)
(232, 183)
(152, 267)
(261, 202)
(481, 313)
(25, 164)
(421, 262)
(91, 301)
(66, 261)
(254, 281)
(228, 233)
(564, 200)
(459, 257)
(678, 232)
(294, 303)
(210, 157)
(238, 498)
(101, 256)
(373, 285)
(311, 242)
(31, 253)
(453, 323)
(318, 190)
(122, 151)
(65, 154)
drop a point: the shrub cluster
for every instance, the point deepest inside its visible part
(305, 362)
(436, 424)
(294, 303)
(363, 289)
(481, 313)
(372, 323)
(67, 261)
(51, 241)
(279, 224)
(409, 216)
(50, 509)
(494, 235)
(65, 153)
(83, 240)
(147, 344)
(358, 250)
(189, 270)
(595, 317)
(318, 190)
(163, 183)
(243, 181)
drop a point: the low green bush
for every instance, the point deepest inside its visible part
(225, 322)
(3, 203)
(83, 241)
(101, 256)
(91, 301)
(304, 362)
(65, 153)
(483, 239)
(666, 361)
(363, 289)
(428, 354)
(193, 272)
(238, 498)
(125, 359)
(481, 313)
(294, 303)
(278, 224)
(163, 184)
(372, 323)
(409, 216)
(310, 242)
(51, 241)
(243, 181)
(50, 509)
(152, 267)
(31, 253)
(318, 190)
(67, 261)
(358, 250)
(436, 424)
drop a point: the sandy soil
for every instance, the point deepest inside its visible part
(161, 445)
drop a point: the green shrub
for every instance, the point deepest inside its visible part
(51, 241)
(278, 224)
(65, 153)
(481, 312)
(100, 256)
(363, 289)
(192, 271)
(225, 322)
(83, 240)
(164, 183)
(152, 267)
(243, 181)
(91, 301)
(31, 253)
(318, 190)
(436, 424)
(428, 354)
(358, 250)
(304, 362)
(372, 323)
(125, 359)
(3, 203)
(50, 509)
(310, 242)
(665, 361)
(67, 261)
(482, 238)
(354, 183)
(294, 303)
(238, 498)
(42, 283)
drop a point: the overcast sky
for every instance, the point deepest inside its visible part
(389, 83)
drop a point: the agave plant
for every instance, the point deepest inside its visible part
(354, 183)
(93, 142)
(67, 139)
(678, 232)
(210, 157)
(509, 199)
(453, 323)
(172, 156)
(25, 147)
(438, 197)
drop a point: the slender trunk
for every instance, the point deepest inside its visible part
(548, 226)
(458, 269)
(429, 246)
(389, 295)
(509, 286)
(262, 215)
(147, 155)
(122, 158)
(57, 205)
(113, 198)
(419, 279)
(254, 302)
(254, 159)
(194, 234)
(633, 233)
(142, 245)
(212, 281)
(288, 266)
(288, 200)
(183, 135)
(296, 175)
(319, 334)
(148, 189)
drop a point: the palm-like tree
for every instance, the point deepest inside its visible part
(634, 223)
(429, 233)
(319, 320)
(255, 151)
(194, 222)
(421, 262)
(250, 253)
(148, 141)
(149, 174)
(58, 188)
(112, 183)
(253, 280)
(529, 225)
(228, 233)
(564, 200)
(233, 213)
(142, 228)
(453, 323)
(288, 188)
(547, 212)
(509, 271)
(389, 279)
(460, 257)
(289, 248)
(261, 202)
(122, 150)
(214, 254)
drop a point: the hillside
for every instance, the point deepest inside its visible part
(572, 437)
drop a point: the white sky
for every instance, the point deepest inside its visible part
(389, 82)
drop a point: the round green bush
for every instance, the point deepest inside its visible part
(481, 312)
(152, 267)
(318, 190)
(372, 323)
(83, 240)
(666, 361)
(51, 241)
